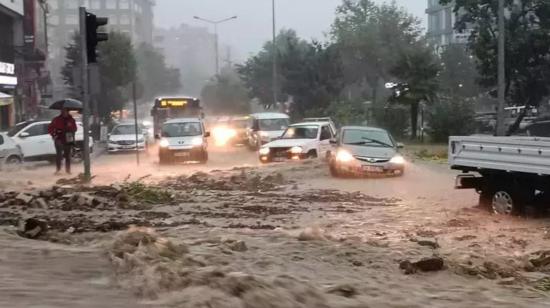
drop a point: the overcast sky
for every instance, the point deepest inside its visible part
(310, 18)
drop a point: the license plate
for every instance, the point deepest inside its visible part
(279, 159)
(182, 154)
(373, 169)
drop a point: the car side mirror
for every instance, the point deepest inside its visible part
(24, 135)
(400, 145)
(333, 141)
(207, 134)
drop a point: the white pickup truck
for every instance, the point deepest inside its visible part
(508, 172)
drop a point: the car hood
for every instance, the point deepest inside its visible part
(371, 151)
(124, 137)
(284, 143)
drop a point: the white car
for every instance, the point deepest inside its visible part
(123, 138)
(37, 144)
(10, 153)
(300, 141)
(265, 127)
(183, 140)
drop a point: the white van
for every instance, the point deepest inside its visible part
(266, 127)
(183, 140)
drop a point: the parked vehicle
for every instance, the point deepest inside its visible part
(299, 141)
(36, 144)
(266, 127)
(10, 152)
(123, 138)
(507, 172)
(183, 140)
(362, 150)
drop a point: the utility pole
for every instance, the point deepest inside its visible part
(84, 86)
(216, 43)
(275, 84)
(501, 113)
(136, 120)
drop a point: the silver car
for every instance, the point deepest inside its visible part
(365, 150)
(10, 153)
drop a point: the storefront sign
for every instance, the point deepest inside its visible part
(7, 68)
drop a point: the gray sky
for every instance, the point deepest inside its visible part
(310, 18)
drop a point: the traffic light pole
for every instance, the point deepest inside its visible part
(84, 93)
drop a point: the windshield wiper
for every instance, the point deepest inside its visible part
(377, 142)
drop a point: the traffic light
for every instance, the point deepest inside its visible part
(92, 36)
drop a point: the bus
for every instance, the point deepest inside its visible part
(167, 108)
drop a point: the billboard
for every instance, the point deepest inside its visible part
(13, 5)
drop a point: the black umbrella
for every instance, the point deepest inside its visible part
(68, 103)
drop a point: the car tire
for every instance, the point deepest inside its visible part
(507, 201)
(312, 154)
(204, 157)
(13, 160)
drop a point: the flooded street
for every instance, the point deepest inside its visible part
(237, 234)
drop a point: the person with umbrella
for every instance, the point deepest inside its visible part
(63, 129)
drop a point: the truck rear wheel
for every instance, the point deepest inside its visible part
(507, 201)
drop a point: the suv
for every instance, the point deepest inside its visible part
(10, 153)
(183, 140)
(265, 127)
(300, 141)
(37, 144)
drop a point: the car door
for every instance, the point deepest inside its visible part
(35, 140)
(3, 148)
(324, 141)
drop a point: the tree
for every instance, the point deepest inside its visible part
(153, 73)
(117, 69)
(527, 47)
(417, 72)
(226, 94)
(458, 74)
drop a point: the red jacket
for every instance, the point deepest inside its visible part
(60, 126)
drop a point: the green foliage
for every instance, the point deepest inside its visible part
(226, 94)
(394, 118)
(450, 117)
(154, 75)
(345, 113)
(117, 69)
(139, 191)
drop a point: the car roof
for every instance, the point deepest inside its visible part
(310, 124)
(183, 120)
(364, 128)
(269, 115)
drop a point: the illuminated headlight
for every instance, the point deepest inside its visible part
(296, 150)
(344, 156)
(264, 151)
(197, 141)
(398, 160)
(164, 143)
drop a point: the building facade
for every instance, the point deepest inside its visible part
(133, 17)
(11, 32)
(441, 21)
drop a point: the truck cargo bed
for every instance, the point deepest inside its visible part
(510, 154)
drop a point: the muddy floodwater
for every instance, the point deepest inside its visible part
(264, 236)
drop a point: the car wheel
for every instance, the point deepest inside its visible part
(506, 202)
(312, 154)
(13, 160)
(204, 157)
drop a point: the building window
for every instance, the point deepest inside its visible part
(71, 19)
(124, 4)
(110, 4)
(124, 19)
(53, 20)
(95, 4)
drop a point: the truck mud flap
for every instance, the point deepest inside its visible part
(468, 181)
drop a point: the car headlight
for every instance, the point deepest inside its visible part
(164, 143)
(296, 150)
(398, 160)
(264, 151)
(344, 156)
(197, 141)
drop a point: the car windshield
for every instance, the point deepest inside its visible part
(273, 124)
(17, 128)
(181, 129)
(301, 132)
(375, 138)
(126, 130)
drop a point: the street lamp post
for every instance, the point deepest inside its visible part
(501, 113)
(274, 47)
(216, 43)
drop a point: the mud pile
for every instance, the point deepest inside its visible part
(245, 181)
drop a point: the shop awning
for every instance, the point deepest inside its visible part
(5, 99)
